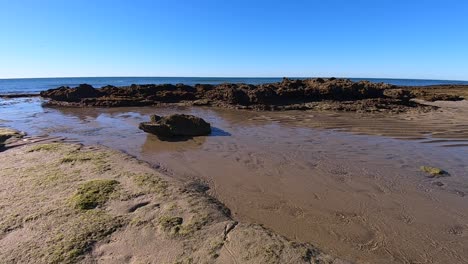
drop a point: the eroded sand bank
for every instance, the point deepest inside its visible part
(348, 183)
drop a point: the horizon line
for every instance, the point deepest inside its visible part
(232, 77)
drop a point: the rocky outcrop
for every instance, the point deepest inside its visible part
(432, 97)
(399, 94)
(7, 133)
(68, 94)
(18, 95)
(176, 126)
(284, 95)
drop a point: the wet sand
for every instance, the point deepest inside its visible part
(348, 183)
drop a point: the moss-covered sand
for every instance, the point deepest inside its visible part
(65, 203)
(94, 193)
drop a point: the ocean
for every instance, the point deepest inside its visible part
(35, 85)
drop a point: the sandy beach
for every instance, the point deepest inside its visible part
(68, 203)
(232, 132)
(348, 183)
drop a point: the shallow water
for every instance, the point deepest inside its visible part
(347, 183)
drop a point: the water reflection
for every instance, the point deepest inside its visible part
(153, 144)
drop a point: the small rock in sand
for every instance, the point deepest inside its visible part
(433, 171)
(176, 125)
(6, 133)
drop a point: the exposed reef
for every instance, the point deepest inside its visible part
(319, 93)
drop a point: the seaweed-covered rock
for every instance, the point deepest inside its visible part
(176, 125)
(7, 133)
(67, 94)
(284, 95)
(432, 97)
(398, 94)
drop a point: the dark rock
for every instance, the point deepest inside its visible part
(400, 94)
(186, 88)
(201, 102)
(263, 95)
(154, 118)
(432, 97)
(176, 125)
(203, 88)
(112, 101)
(157, 129)
(229, 93)
(10, 96)
(71, 94)
(172, 96)
(319, 93)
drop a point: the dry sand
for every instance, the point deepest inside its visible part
(65, 203)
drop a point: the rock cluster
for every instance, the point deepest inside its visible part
(176, 126)
(285, 95)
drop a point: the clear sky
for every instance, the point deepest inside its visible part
(248, 38)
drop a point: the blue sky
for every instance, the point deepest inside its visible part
(344, 38)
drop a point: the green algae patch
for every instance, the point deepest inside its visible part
(93, 193)
(169, 221)
(51, 177)
(80, 156)
(150, 183)
(81, 234)
(98, 158)
(46, 147)
(433, 171)
(194, 225)
(171, 224)
(176, 225)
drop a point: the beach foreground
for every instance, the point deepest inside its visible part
(357, 185)
(64, 203)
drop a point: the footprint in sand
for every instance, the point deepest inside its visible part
(456, 230)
